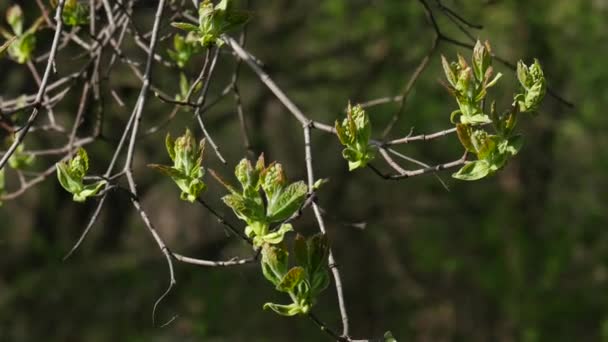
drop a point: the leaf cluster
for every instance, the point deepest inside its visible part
(265, 197)
(20, 159)
(213, 21)
(71, 176)
(184, 47)
(303, 282)
(22, 43)
(533, 84)
(354, 133)
(469, 85)
(74, 13)
(187, 171)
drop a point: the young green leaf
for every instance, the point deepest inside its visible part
(291, 279)
(74, 12)
(274, 237)
(184, 47)
(284, 310)
(88, 191)
(14, 17)
(318, 247)
(71, 175)
(22, 49)
(274, 263)
(273, 179)
(473, 171)
(354, 133)
(265, 197)
(532, 80)
(187, 171)
(185, 26)
(300, 249)
(20, 160)
(245, 208)
(214, 21)
(319, 281)
(449, 70)
(388, 337)
(482, 59)
(247, 175)
(287, 202)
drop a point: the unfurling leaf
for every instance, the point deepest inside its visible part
(532, 80)
(274, 237)
(187, 171)
(482, 59)
(265, 197)
(273, 179)
(214, 21)
(274, 263)
(71, 175)
(22, 42)
(284, 310)
(20, 159)
(311, 254)
(283, 205)
(184, 47)
(318, 247)
(464, 135)
(449, 70)
(22, 49)
(354, 133)
(245, 208)
(14, 17)
(74, 12)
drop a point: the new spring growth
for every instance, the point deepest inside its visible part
(265, 198)
(532, 80)
(213, 21)
(354, 133)
(303, 282)
(187, 171)
(22, 43)
(74, 12)
(20, 159)
(469, 84)
(492, 151)
(184, 47)
(71, 175)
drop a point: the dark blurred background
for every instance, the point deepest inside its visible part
(520, 256)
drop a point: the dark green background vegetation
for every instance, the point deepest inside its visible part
(521, 256)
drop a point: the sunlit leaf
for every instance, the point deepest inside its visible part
(287, 202)
(274, 263)
(473, 170)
